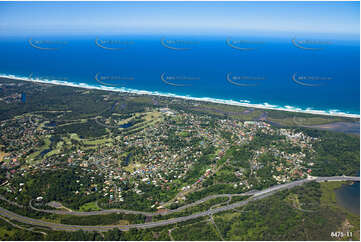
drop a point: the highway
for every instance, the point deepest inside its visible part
(108, 211)
(256, 195)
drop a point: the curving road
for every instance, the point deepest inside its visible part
(257, 195)
(109, 211)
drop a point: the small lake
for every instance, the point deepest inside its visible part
(348, 196)
(51, 124)
(126, 125)
(45, 152)
(127, 159)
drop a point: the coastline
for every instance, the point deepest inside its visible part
(241, 103)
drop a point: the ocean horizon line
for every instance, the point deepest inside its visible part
(241, 103)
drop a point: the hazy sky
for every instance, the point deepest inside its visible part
(178, 17)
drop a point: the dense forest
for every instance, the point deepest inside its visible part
(336, 153)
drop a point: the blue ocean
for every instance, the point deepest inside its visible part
(290, 72)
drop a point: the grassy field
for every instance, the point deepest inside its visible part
(150, 119)
(305, 121)
(56, 151)
(74, 122)
(97, 141)
(75, 136)
(91, 206)
(32, 157)
(133, 166)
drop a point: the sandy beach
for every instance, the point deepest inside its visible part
(242, 103)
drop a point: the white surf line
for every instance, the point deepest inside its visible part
(287, 108)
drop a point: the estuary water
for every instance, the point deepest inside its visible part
(348, 196)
